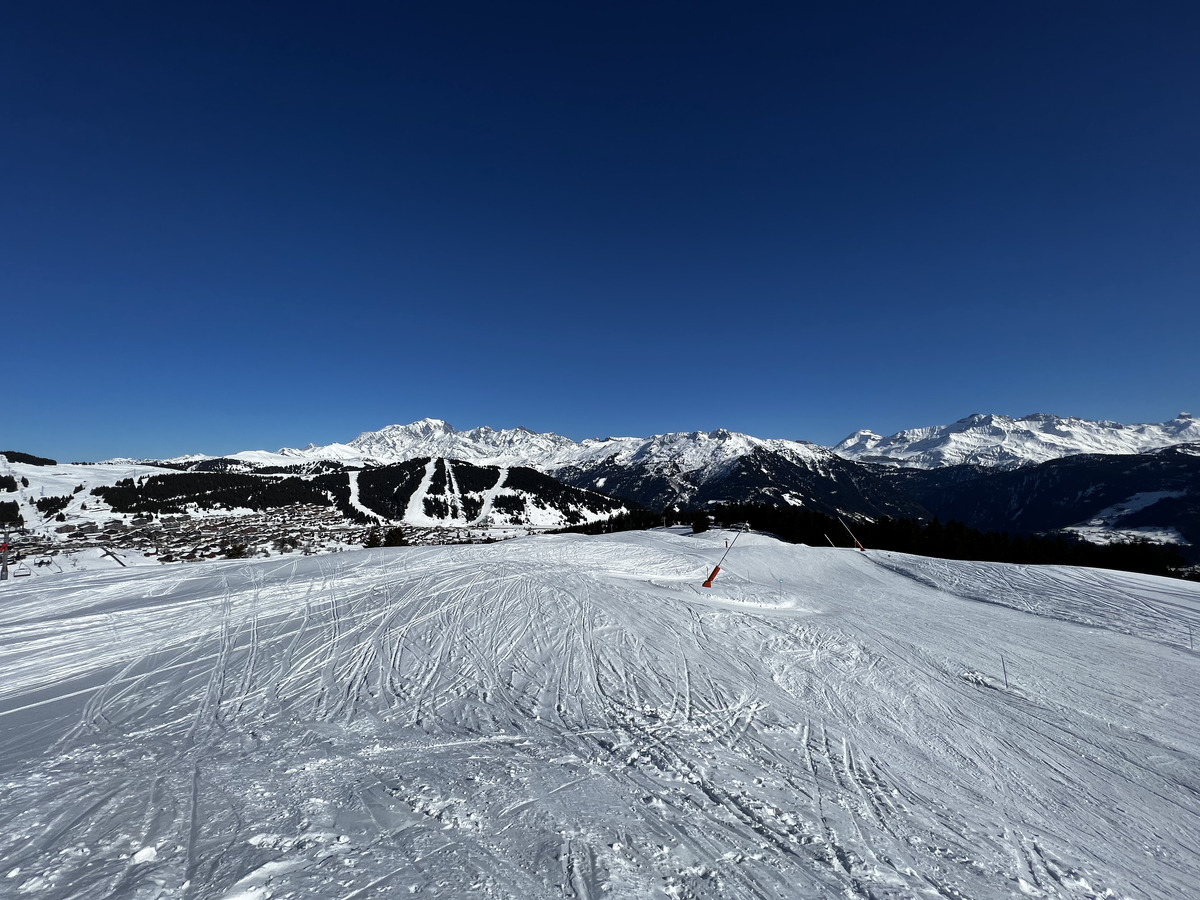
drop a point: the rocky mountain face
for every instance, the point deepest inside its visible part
(762, 474)
(435, 438)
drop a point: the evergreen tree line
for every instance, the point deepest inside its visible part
(633, 520)
(388, 489)
(208, 490)
(472, 505)
(437, 508)
(949, 540)
(545, 491)
(10, 513)
(14, 456)
(437, 484)
(511, 505)
(337, 487)
(392, 537)
(952, 540)
(473, 479)
(48, 506)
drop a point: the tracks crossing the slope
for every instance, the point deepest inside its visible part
(566, 717)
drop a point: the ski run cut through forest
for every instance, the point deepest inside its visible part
(572, 716)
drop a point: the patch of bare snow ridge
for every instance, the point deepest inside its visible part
(576, 717)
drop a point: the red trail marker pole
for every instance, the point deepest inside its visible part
(729, 547)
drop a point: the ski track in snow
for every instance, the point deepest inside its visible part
(453, 497)
(415, 514)
(355, 502)
(490, 495)
(574, 717)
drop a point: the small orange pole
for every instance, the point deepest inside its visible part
(728, 547)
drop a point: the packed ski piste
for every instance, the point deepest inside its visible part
(569, 716)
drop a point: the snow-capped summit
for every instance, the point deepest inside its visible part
(387, 442)
(674, 467)
(860, 444)
(433, 437)
(1000, 442)
(696, 451)
(681, 466)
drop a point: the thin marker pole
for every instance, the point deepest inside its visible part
(708, 583)
(1004, 669)
(852, 537)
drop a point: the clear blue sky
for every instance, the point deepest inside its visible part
(230, 225)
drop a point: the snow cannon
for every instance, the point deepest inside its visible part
(717, 569)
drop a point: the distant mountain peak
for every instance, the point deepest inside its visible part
(997, 441)
(422, 427)
(983, 439)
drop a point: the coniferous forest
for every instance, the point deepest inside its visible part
(953, 540)
(949, 540)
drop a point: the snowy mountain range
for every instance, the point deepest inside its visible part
(430, 438)
(682, 469)
(857, 477)
(1000, 442)
(1036, 474)
(993, 441)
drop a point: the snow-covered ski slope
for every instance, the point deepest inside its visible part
(575, 717)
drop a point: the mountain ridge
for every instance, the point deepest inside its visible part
(985, 439)
(996, 441)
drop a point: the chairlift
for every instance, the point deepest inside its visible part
(22, 571)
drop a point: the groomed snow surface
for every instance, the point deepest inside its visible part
(576, 717)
